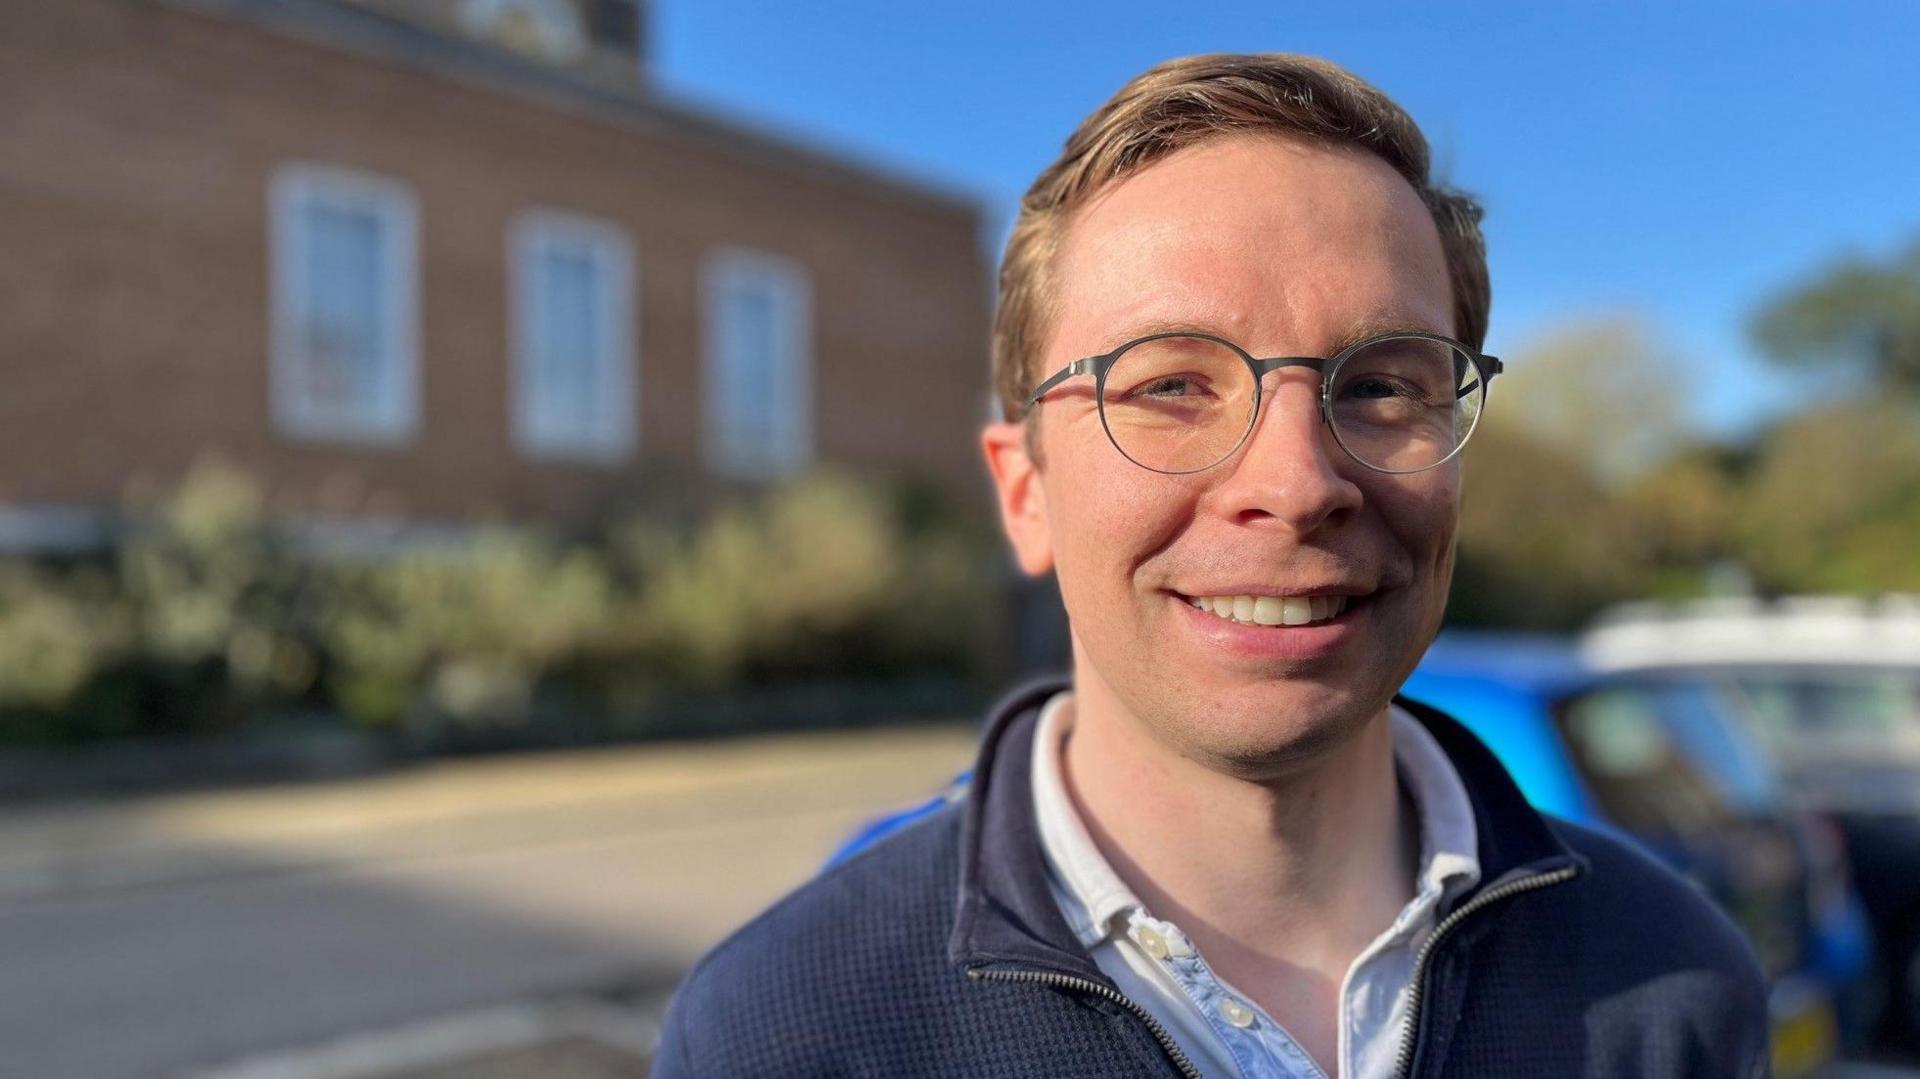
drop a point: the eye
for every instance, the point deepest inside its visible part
(1380, 387)
(1168, 386)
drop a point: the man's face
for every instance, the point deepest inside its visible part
(1284, 248)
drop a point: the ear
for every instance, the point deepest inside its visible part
(1022, 497)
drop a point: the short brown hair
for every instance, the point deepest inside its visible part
(1186, 101)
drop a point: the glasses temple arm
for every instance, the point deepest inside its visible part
(1077, 367)
(1488, 367)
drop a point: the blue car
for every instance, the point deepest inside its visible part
(1656, 760)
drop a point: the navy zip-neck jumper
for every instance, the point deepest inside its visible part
(940, 952)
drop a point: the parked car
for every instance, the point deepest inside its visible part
(1659, 758)
(1656, 759)
(1832, 688)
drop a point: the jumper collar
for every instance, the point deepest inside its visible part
(1006, 915)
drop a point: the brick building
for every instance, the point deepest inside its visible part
(437, 260)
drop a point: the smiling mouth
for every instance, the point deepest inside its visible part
(1275, 610)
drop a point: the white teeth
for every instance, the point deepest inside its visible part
(1273, 610)
(1298, 611)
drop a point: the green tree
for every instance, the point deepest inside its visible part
(1857, 315)
(1833, 504)
(1685, 513)
(1543, 544)
(1605, 391)
(1569, 503)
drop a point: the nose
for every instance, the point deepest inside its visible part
(1289, 473)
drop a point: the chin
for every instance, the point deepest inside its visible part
(1276, 731)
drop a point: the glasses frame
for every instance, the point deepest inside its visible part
(1485, 367)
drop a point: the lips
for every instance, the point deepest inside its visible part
(1268, 609)
(1240, 641)
(1265, 610)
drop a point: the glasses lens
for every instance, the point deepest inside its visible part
(1402, 404)
(1178, 404)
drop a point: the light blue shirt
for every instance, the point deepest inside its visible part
(1154, 963)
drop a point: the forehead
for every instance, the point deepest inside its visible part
(1279, 244)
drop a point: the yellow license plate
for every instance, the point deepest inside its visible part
(1803, 1042)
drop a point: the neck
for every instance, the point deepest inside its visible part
(1301, 871)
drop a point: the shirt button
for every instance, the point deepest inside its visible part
(1237, 1013)
(1151, 940)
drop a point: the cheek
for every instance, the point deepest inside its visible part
(1422, 512)
(1108, 516)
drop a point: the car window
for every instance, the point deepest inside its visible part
(1664, 758)
(1852, 713)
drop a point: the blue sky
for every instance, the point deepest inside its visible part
(1672, 162)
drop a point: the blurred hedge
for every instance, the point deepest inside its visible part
(207, 614)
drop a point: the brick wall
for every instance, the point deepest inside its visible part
(135, 152)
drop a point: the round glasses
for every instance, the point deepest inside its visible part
(1184, 402)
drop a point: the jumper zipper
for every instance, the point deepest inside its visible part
(1087, 985)
(1403, 1064)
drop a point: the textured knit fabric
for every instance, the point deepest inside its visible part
(939, 951)
(1152, 961)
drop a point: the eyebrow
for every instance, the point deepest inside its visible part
(1378, 325)
(1356, 331)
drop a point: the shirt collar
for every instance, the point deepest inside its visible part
(1005, 914)
(1096, 902)
(1449, 843)
(1091, 894)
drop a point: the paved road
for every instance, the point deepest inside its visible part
(211, 933)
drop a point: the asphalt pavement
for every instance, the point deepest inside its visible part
(498, 917)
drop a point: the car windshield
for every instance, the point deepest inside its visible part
(1864, 714)
(1665, 758)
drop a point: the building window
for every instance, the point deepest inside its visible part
(345, 343)
(759, 366)
(575, 387)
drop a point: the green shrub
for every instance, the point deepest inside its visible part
(473, 629)
(55, 635)
(823, 576)
(209, 585)
(205, 615)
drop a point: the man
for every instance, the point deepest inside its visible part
(1238, 348)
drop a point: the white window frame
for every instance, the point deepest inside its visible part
(611, 437)
(394, 416)
(787, 281)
